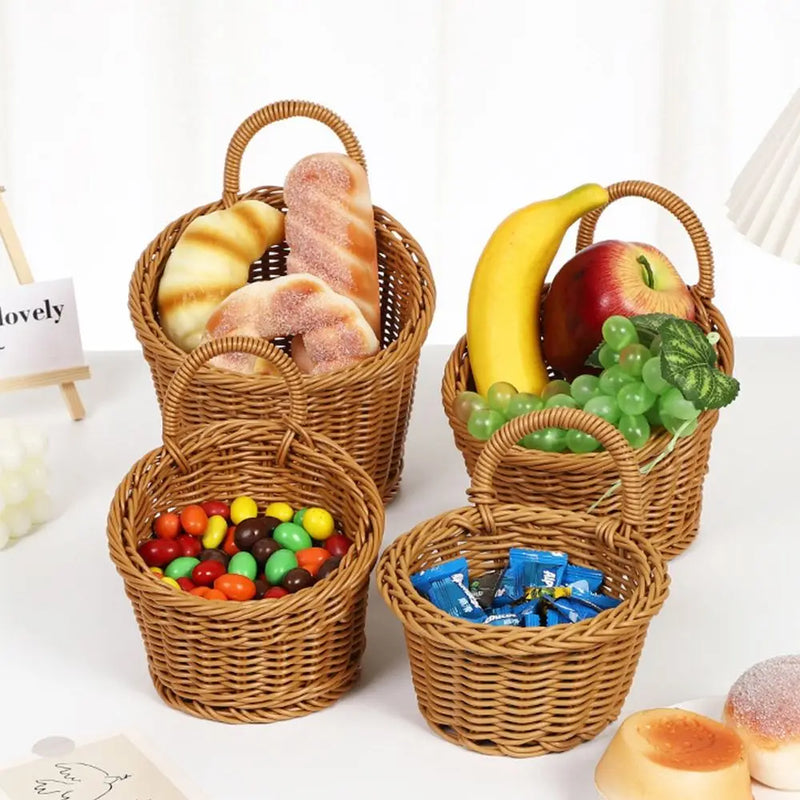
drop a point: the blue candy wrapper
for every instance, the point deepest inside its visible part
(552, 617)
(451, 595)
(596, 600)
(502, 619)
(538, 567)
(574, 573)
(422, 581)
(508, 590)
(529, 614)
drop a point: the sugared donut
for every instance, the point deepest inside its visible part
(763, 707)
(672, 754)
(335, 333)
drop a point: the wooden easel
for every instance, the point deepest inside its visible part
(64, 377)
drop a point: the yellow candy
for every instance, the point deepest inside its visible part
(243, 508)
(282, 511)
(319, 523)
(173, 583)
(157, 570)
(215, 531)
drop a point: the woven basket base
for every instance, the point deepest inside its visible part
(238, 716)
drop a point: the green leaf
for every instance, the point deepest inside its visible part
(594, 358)
(649, 325)
(689, 362)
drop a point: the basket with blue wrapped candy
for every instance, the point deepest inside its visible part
(524, 624)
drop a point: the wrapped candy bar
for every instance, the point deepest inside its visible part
(445, 585)
(485, 587)
(592, 577)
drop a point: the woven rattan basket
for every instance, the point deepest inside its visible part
(364, 409)
(260, 660)
(527, 691)
(673, 491)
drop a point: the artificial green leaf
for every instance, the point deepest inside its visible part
(689, 362)
(649, 325)
(594, 358)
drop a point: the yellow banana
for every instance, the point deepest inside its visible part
(503, 309)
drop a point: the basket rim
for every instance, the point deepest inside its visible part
(405, 347)
(350, 579)
(394, 583)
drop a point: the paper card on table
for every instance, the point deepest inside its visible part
(113, 769)
(39, 328)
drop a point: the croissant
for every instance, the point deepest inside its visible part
(210, 260)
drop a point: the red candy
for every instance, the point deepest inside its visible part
(216, 508)
(190, 545)
(186, 584)
(167, 525)
(159, 552)
(312, 558)
(338, 544)
(275, 591)
(206, 572)
(229, 546)
(236, 587)
(194, 520)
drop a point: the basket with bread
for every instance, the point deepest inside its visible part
(313, 267)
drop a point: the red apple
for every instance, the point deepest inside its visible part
(626, 278)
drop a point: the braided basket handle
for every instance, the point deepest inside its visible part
(181, 381)
(482, 493)
(274, 112)
(676, 206)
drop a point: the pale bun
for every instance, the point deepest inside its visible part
(672, 754)
(763, 707)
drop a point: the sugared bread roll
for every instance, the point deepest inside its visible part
(330, 229)
(763, 707)
(671, 754)
(210, 260)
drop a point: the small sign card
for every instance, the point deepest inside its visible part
(39, 330)
(116, 768)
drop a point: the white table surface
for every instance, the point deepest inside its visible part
(73, 663)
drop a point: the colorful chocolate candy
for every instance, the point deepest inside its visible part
(220, 551)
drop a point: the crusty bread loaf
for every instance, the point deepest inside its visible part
(335, 333)
(330, 229)
(763, 707)
(210, 260)
(672, 754)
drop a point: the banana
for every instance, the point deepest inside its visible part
(504, 298)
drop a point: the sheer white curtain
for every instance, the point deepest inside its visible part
(114, 119)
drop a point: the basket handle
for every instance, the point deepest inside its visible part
(274, 112)
(181, 381)
(482, 492)
(676, 206)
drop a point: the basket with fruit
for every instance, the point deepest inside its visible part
(535, 655)
(313, 267)
(245, 548)
(617, 333)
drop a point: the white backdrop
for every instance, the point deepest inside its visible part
(114, 118)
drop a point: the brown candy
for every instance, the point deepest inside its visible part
(262, 549)
(297, 579)
(250, 530)
(212, 554)
(329, 566)
(262, 587)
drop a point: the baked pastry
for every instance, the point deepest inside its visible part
(211, 259)
(330, 229)
(335, 333)
(672, 754)
(763, 707)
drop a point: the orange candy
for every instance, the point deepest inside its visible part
(229, 546)
(214, 594)
(200, 591)
(167, 525)
(312, 558)
(194, 520)
(235, 587)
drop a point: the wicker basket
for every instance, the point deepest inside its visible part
(527, 691)
(364, 409)
(261, 660)
(673, 491)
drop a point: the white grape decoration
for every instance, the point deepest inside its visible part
(24, 501)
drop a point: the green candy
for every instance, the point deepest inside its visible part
(181, 567)
(243, 563)
(291, 536)
(278, 564)
(298, 516)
